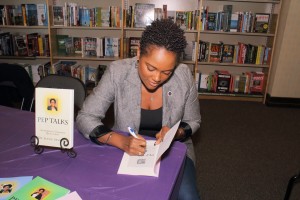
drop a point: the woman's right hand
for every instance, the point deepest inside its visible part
(135, 146)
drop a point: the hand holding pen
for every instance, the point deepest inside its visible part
(137, 144)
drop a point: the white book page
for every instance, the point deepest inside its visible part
(149, 163)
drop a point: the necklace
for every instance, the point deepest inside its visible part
(152, 98)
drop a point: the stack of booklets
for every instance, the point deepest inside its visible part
(24, 187)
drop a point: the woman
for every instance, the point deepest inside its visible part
(52, 105)
(150, 92)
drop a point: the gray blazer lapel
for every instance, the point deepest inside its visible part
(169, 100)
(132, 98)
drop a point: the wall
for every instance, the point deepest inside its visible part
(285, 73)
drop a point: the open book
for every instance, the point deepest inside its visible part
(149, 163)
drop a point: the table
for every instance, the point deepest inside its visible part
(93, 173)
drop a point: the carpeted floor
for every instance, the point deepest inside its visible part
(247, 150)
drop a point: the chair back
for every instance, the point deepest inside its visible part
(16, 85)
(66, 82)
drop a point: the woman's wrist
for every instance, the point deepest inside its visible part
(180, 134)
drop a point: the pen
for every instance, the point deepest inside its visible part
(132, 132)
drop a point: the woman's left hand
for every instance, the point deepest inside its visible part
(161, 134)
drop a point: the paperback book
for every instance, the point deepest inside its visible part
(10, 185)
(39, 188)
(54, 116)
(143, 14)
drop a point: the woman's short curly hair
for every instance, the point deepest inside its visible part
(163, 33)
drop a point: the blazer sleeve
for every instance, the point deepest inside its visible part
(89, 118)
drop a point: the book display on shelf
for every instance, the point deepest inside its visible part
(58, 15)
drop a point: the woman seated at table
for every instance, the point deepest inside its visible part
(151, 93)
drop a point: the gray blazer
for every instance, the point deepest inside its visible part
(121, 85)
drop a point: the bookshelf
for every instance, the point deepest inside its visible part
(122, 32)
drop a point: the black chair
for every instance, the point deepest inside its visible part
(16, 87)
(293, 180)
(66, 82)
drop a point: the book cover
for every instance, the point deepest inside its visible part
(42, 14)
(211, 24)
(180, 19)
(58, 15)
(227, 53)
(31, 14)
(134, 43)
(149, 163)
(105, 17)
(40, 188)
(223, 79)
(77, 45)
(10, 185)
(21, 45)
(234, 22)
(261, 22)
(17, 15)
(90, 46)
(54, 116)
(111, 47)
(215, 52)
(61, 44)
(33, 44)
(257, 82)
(143, 14)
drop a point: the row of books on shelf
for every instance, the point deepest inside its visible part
(142, 14)
(137, 16)
(24, 15)
(27, 187)
(32, 44)
(228, 21)
(89, 75)
(72, 14)
(240, 53)
(88, 46)
(225, 82)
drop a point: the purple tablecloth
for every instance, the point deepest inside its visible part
(93, 173)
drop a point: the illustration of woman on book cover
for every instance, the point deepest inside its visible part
(6, 188)
(52, 105)
(38, 194)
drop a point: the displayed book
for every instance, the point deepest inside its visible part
(234, 22)
(58, 15)
(39, 188)
(215, 52)
(203, 81)
(149, 163)
(21, 45)
(31, 14)
(227, 53)
(134, 43)
(61, 44)
(89, 46)
(42, 14)
(211, 24)
(54, 116)
(111, 46)
(33, 44)
(261, 22)
(10, 185)
(71, 196)
(143, 14)
(257, 82)
(77, 45)
(222, 81)
(180, 19)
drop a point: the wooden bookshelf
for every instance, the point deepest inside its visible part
(197, 34)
